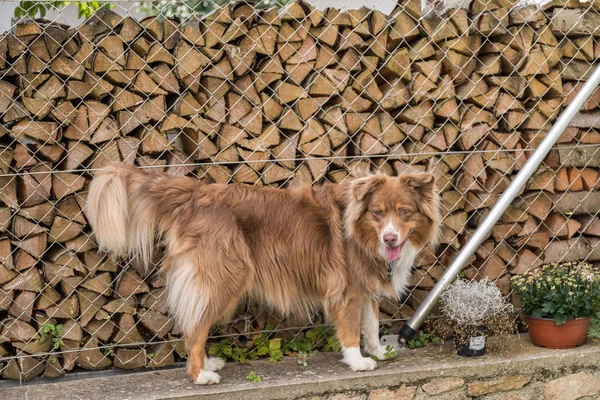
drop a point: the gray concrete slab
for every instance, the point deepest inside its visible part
(324, 374)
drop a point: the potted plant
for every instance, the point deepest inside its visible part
(473, 310)
(558, 300)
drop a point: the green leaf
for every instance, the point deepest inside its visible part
(332, 345)
(19, 11)
(240, 354)
(58, 331)
(389, 352)
(213, 349)
(227, 350)
(275, 356)
(314, 335)
(57, 342)
(254, 377)
(560, 319)
(549, 307)
(262, 350)
(42, 10)
(275, 344)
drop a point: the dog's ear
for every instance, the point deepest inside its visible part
(423, 183)
(356, 193)
(360, 172)
(361, 187)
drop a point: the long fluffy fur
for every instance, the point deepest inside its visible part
(124, 223)
(294, 250)
(184, 298)
(108, 211)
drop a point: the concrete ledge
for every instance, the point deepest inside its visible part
(325, 376)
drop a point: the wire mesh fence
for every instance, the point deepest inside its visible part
(267, 95)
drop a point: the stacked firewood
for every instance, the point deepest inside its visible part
(278, 97)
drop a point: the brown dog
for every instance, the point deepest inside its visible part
(293, 250)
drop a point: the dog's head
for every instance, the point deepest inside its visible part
(383, 212)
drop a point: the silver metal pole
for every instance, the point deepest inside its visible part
(482, 232)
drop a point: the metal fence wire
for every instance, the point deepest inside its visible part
(277, 95)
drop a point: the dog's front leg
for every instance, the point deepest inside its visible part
(346, 319)
(370, 329)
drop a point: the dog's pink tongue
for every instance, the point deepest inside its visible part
(393, 253)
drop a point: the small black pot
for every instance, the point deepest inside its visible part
(474, 346)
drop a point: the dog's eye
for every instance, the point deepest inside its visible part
(378, 213)
(404, 211)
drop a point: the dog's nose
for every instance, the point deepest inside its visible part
(390, 239)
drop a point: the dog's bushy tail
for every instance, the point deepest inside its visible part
(122, 224)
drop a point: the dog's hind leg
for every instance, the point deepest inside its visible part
(346, 319)
(197, 362)
(202, 369)
(209, 270)
(205, 297)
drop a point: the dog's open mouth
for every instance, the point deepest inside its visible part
(393, 253)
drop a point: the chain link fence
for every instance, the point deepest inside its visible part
(276, 96)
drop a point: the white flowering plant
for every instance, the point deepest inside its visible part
(473, 303)
(474, 308)
(559, 291)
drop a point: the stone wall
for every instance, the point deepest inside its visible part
(510, 387)
(512, 369)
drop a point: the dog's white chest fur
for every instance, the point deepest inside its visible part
(401, 269)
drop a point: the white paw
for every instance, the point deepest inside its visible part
(364, 364)
(207, 378)
(376, 351)
(356, 361)
(213, 363)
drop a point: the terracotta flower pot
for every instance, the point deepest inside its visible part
(545, 333)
